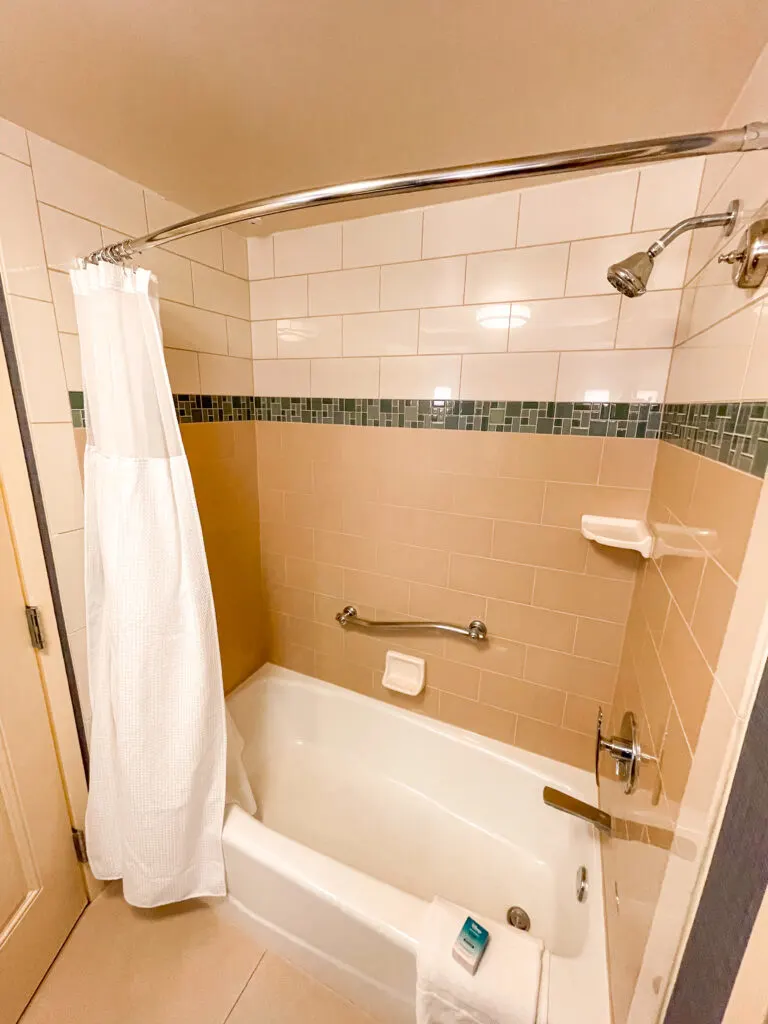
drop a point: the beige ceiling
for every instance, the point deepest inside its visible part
(217, 102)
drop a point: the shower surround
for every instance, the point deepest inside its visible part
(446, 502)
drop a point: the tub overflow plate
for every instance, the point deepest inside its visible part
(518, 918)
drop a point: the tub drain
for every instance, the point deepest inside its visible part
(518, 918)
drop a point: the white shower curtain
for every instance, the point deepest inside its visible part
(158, 741)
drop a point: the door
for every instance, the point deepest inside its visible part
(41, 886)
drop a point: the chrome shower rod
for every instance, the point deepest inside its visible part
(730, 140)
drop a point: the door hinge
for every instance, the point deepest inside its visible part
(35, 627)
(78, 841)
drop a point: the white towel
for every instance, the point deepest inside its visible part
(505, 989)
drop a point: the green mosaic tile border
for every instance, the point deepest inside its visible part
(734, 433)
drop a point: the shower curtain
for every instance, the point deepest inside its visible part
(158, 741)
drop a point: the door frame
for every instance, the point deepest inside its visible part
(31, 538)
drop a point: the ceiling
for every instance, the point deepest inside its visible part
(214, 103)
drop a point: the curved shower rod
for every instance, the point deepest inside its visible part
(730, 140)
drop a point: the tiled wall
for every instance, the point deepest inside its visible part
(455, 526)
(498, 297)
(694, 621)
(54, 206)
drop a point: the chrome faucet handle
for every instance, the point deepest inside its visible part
(734, 256)
(625, 749)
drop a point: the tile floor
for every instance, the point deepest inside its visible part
(177, 965)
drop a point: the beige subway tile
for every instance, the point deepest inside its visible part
(496, 654)
(478, 718)
(628, 462)
(674, 479)
(406, 562)
(531, 625)
(364, 650)
(602, 641)
(341, 672)
(471, 452)
(323, 511)
(425, 703)
(449, 605)
(653, 598)
(550, 546)
(374, 589)
(565, 504)
(683, 578)
(23, 253)
(345, 549)
(287, 540)
(583, 676)
(318, 577)
(442, 530)
(450, 677)
(291, 601)
(271, 505)
(713, 610)
(725, 500)
(284, 474)
(581, 714)
(504, 580)
(582, 595)
(542, 457)
(675, 761)
(612, 563)
(655, 692)
(333, 477)
(417, 488)
(687, 673)
(498, 497)
(540, 702)
(551, 741)
(295, 657)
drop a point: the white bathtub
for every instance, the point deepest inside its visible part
(367, 812)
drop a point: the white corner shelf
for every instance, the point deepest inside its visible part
(630, 534)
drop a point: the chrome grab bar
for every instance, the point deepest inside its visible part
(476, 630)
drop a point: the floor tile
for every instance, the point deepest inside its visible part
(280, 994)
(177, 965)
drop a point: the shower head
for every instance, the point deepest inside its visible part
(630, 276)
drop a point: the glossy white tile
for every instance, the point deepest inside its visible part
(756, 378)
(261, 262)
(721, 303)
(308, 250)
(239, 337)
(648, 321)
(394, 333)
(517, 274)
(668, 193)
(273, 298)
(428, 283)
(385, 238)
(420, 377)
(183, 371)
(264, 339)
(59, 473)
(203, 248)
(510, 376)
(66, 237)
(23, 254)
(707, 374)
(344, 378)
(618, 376)
(220, 292)
(173, 274)
(590, 259)
(600, 204)
(305, 338)
(69, 558)
(464, 328)
(63, 302)
(13, 141)
(72, 182)
(188, 327)
(36, 341)
(225, 375)
(471, 225)
(557, 325)
(70, 354)
(235, 253)
(286, 378)
(344, 291)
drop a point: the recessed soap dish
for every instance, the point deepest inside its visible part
(631, 534)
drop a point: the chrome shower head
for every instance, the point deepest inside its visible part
(630, 276)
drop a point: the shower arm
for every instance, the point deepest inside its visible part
(731, 140)
(704, 220)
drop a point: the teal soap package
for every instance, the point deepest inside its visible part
(471, 942)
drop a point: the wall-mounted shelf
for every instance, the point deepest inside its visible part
(631, 534)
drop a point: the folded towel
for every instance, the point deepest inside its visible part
(505, 989)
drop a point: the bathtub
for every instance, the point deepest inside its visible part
(367, 811)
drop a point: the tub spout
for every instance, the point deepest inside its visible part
(570, 805)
